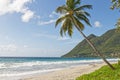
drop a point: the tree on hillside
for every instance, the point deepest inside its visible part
(116, 5)
(73, 15)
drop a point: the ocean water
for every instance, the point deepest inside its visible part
(12, 68)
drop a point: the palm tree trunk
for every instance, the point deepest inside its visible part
(92, 46)
(96, 51)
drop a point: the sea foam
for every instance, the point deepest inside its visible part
(22, 68)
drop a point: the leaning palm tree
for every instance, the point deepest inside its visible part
(72, 15)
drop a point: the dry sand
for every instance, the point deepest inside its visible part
(67, 73)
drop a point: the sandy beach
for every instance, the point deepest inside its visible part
(67, 73)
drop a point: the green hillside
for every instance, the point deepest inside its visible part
(108, 44)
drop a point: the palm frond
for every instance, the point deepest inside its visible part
(70, 4)
(61, 31)
(65, 26)
(74, 16)
(115, 4)
(77, 2)
(113, 0)
(70, 29)
(86, 13)
(83, 18)
(60, 20)
(83, 7)
(77, 23)
(62, 9)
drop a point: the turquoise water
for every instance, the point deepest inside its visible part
(20, 66)
(29, 59)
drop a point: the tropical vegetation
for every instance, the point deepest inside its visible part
(73, 15)
(116, 5)
(103, 73)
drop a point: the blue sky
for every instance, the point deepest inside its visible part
(27, 27)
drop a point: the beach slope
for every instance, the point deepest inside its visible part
(67, 73)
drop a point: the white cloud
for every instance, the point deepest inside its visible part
(16, 6)
(25, 46)
(97, 24)
(45, 35)
(50, 36)
(53, 14)
(63, 38)
(8, 48)
(52, 19)
(74, 41)
(46, 22)
(27, 16)
(38, 17)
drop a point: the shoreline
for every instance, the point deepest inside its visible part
(67, 73)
